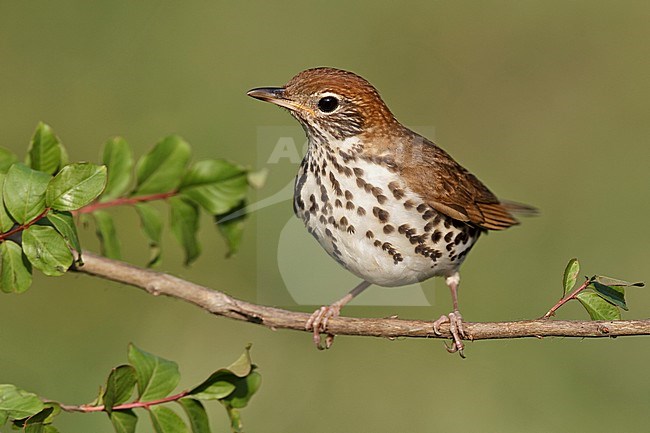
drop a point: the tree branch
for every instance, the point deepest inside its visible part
(220, 304)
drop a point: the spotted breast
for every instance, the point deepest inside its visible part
(367, 219)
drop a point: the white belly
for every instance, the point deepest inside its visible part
(386, 236)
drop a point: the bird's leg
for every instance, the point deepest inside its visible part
(318, 320)
(454, 318)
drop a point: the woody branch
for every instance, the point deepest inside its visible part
(220, 304)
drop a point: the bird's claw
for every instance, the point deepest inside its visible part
(456, 330)
(317, 323)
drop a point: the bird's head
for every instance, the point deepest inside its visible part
(330, 102)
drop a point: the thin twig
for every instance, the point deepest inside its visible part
(220, 304)
(92, 208)
(566, 299)
(25, 226)
(125, 406)
(124, 201)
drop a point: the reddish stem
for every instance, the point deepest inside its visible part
(566, 299)
(22, 227)
(125, 201)
(137, 404)
(93, 207)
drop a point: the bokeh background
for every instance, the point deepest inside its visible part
(546, 101)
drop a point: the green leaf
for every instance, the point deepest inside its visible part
(152, 224)
(18, 404)
(34, 428)
(608, 281)
(65, 160)
(24, 192)
(245, 387)
(570, 275)
(216, 185)
(118, 158)
(221, 383)
(185, 225)
(36, 423)
(235, 419)
(45, 150)
(105, 229)
(162, 169)
(196, 414)
(165, 420)
(7, 158)
(75, 186)
(99, 400)
(63, 222)
(124, 421)
(6, 222)
(157, 377)
(46, 249)
(231, 227)
(16, 275)
(119, 386)
(597, 307)
(612, 294)
(56, 410)
(243, 365)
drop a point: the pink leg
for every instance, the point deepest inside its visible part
(454, 319)
(318, 320)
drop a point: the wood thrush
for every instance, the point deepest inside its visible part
(386, 203)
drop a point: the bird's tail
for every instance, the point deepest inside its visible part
(520, 208)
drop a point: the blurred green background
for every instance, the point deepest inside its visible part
(546, 101)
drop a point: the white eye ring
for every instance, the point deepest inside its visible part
(328, 103)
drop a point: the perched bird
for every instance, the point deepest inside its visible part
(386, 203)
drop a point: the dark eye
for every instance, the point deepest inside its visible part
(328, 104)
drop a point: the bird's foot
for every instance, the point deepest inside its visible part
(318, 324)
(456, 329)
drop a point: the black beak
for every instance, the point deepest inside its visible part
(269, 94)
(277, 96)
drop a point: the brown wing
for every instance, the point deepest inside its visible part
(452, 190)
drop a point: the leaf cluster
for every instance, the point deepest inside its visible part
(601, 296)
(42, 198)
(149, 381)
(215, 186)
